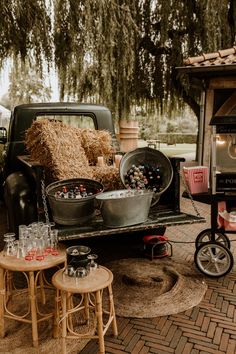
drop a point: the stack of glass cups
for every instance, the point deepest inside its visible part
(36, 241)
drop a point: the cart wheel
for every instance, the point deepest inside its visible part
(213, 259)
(205, 236)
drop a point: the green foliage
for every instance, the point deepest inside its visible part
(119, 53)
(27, 86)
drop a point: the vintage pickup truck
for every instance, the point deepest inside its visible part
(22, 178)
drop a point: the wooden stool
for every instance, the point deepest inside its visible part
(92, 285)
(33, 272)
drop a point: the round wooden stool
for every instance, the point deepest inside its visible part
(91, 289)
(33, 272)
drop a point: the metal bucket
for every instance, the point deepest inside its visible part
(73, 211)
(124, 207)
(151, 157)
(77, 256)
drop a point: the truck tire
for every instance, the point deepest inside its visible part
(20, 200)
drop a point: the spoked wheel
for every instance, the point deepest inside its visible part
(205, 236)
(213, 259)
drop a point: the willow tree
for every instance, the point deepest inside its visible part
(120, 53)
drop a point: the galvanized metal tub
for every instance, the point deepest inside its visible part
(73, 211)
(151, 157)
(124, 207)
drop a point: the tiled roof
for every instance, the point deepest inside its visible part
(221, 57)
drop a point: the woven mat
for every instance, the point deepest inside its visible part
(144, 289)
(18, 335)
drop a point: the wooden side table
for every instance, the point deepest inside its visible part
(33, 273)
(93, 285)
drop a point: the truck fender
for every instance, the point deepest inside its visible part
(20, 200)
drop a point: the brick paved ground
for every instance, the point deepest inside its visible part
(209, 327)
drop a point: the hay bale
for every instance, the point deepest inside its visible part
(109, 177)
(96, 143)
(58, 148)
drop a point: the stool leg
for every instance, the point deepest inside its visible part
(33, 309)
(86, 307)
(56, 315)
(41, 284)
(98, 309)
(69, 306)
(2, 300)
(114, 324)
(8, 285)
(64, 320)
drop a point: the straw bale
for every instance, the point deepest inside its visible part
(58, 148)
(109, 177)
(96, 143)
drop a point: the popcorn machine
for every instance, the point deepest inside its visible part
(223, 154)
(212, 255)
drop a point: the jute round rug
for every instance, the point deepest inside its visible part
(18, 336)
(143, 288)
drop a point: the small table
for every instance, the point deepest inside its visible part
(94, 285)
(33, 273)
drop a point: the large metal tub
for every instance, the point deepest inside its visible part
(73, 211)
(152, 157)
(124, 207)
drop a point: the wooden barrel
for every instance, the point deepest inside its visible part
(128, 135)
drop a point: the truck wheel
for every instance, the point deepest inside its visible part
(213, 259)
(205, 236)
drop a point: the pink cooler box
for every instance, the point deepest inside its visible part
(196, 178)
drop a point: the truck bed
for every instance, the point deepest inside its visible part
(155, 220)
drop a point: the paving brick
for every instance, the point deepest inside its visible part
(217, 335)
(129, 336)
(224, 307)
(166, 328)
(219, 302)
(138, 347)
(160, 347)
(150, 333)
(230, 311)
(176, 338)
(197, 337)
(200, 319)
(160, 321)
(194, 313)
(231, 348)
(171, 333)
(144, 350)
(110, 345)
(208, 350)
(211, 330)
(133, 342)
(205, 324)
(187, 348)
(224, 341)
(181, 344)
(155, 340)
(142, 323)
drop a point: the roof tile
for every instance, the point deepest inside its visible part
(222, 57)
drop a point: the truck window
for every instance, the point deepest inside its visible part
(77, 121)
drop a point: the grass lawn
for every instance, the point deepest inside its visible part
(174, 150)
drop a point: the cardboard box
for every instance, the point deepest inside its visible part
(196, 178)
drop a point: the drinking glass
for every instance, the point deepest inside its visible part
(92, 265)
(9, 247)
(54, 242)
